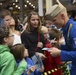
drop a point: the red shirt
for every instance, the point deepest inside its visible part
(52, 62)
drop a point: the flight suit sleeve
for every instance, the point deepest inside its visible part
(71, 54)
(68, 56)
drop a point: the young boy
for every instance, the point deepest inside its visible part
(19, 51)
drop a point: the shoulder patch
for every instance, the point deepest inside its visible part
(74, 39)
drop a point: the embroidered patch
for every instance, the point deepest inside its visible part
(74, 39)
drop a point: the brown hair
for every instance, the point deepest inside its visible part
(4, 32)
(4, 12)
(28, 27)
(55, 33)
(18, 51)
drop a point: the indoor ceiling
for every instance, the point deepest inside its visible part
(14, 5)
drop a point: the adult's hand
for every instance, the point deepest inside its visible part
(55, 51)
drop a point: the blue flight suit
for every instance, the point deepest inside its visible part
(68, 51)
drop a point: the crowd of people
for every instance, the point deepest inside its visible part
(54, 43)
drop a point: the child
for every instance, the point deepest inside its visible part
(20, 52)
(7, 61)
(51, 63)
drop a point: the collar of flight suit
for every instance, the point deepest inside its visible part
(67, 25)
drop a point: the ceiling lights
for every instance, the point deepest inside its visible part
(29, 3)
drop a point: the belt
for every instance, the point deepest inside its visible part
(55, 69)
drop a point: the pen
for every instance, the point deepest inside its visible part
(54, 39)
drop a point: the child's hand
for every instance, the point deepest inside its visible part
(55, 43)
(42, 69)
(40, 44)
(42, 56)
(53, 40)
(32, 69)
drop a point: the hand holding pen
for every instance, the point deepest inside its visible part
(53, 40)
(55, 43)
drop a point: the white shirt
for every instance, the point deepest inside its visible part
(17, 39)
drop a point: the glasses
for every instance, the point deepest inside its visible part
(11, 35)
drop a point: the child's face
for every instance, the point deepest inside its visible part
(45, 34)
(26, 53)
(34, 21)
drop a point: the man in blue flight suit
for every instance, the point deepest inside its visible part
(59, 17)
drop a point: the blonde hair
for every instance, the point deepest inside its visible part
(43, 29)
(55, 33)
